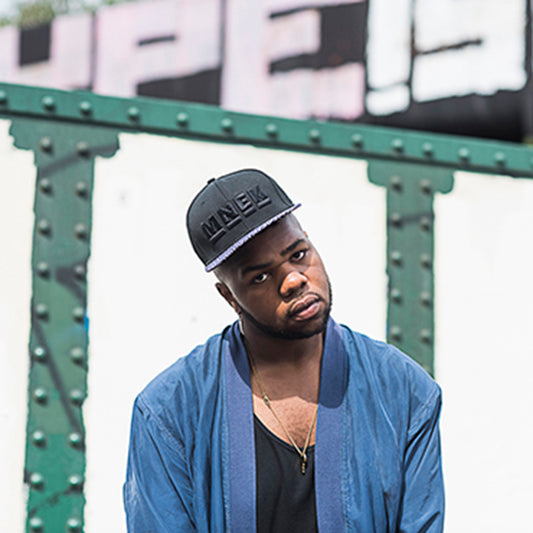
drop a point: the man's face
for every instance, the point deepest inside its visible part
(278, 284)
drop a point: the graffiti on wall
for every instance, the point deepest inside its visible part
(331, 59)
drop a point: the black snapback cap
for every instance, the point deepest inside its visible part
(232, 209)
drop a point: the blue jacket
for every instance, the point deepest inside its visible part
(191, 464)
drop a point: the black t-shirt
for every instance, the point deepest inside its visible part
(285, 496)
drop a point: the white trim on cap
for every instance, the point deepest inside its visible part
(235, 246)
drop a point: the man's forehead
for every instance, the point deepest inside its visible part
(269, 243)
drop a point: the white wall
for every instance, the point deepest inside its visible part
(17, 187)
(483, 353)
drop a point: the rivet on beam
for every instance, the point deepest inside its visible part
(397, 145)
(39, 353)
(45, 144)
(73, 524)
(76, 396)
(43, 269)
(83, 149)
(396, 295)
(36, 523)
(425, 336)
(48, 103)
(427, 149)
(314, 135)
(425, 298)
(425, 261)
(395, 333)
(396, 183)
(396, 258)
(182, 119)
(41, 310)
(134, 114)
(396, 220)
(38, 437)
(78, 313)
(40, 395)
(79, 272)
(271, 130)
(86, 108)
(81, 231)
(36, 480)
(464, 154)
(425, 186)
(74, 439)
(499, 159)
(425, 223)
(75, 481)
(45, 185)
(44, 227)
(227, 125)
(82, 189)
(357, 140)
(77, 355)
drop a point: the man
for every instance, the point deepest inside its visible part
(286, 421)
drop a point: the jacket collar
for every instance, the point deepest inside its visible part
(241, 443)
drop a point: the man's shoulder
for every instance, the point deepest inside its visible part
(187, 379)
(386, 365)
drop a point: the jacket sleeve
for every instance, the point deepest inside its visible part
(423, 495)
(158, 489)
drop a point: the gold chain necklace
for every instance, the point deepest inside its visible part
(301, 452)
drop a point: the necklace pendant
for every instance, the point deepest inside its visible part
(304, 463)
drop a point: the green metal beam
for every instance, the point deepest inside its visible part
(55, 446)
(410, 250)
(214, 123)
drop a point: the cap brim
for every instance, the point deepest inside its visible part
(243, 240)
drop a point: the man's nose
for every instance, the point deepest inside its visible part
(292, 283)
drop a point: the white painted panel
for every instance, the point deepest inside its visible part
(294, 34)
(389, 42)
(122, 63)
(71, 45)
(445, 22)
(484, 357)
(150, 300)
(319, 93)
(338, 92)
(17, 188)
(253, 40)
(70, 62)
(8, 57)
(389, 100)
(245, 75)
(496, 63)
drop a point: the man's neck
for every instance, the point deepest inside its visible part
(272, 352)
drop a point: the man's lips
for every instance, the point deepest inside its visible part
(305, 308)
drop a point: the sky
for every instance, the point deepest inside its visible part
(7, 7)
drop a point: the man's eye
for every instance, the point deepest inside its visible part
(260, 278)
(299, 255)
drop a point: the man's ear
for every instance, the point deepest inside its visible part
(224, 291)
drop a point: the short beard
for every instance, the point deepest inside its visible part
(289, 334)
